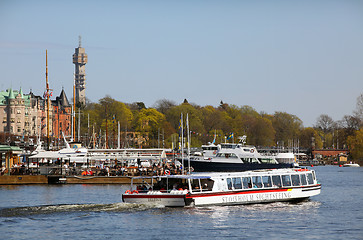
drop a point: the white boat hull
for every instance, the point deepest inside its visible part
(351, 165)
(224, 198)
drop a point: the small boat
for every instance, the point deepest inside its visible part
(229, 188)
(351, 165)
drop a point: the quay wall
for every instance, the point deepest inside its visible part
(23, 179)
(99, 180)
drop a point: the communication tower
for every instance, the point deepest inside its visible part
(80, 60)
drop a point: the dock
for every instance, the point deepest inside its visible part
(54, 179)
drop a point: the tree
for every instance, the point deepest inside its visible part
(264, 133)
(359, 108)
(327, 125)
(355, 144)
(163, 105)
(287, 127)
(310, 138)
(149, 122)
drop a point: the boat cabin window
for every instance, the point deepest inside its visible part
(310, 178)
(257, 182)
(295, 179)
(276, 180)
(303, 179)
(229, 184)
(267, 160)
(250, 160)
(247, 183)
(237, 183)
(266, 180)
(286, 180)
(227, 155)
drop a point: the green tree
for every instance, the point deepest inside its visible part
(149, 122)
(310, 138)
(355, 144)
(287, 127)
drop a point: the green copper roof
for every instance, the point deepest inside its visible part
(11, 94)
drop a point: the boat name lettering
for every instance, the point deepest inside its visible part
(154, 199)
(257, 197)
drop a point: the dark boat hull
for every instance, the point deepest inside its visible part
(207, 166)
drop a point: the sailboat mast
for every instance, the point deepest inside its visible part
(47, 94)
(74, 109)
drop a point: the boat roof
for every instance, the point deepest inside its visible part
(227, 174)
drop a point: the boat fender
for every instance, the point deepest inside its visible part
(128, 192)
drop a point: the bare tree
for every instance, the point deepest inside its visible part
(164, 105)
(359, 107)
(325, 123)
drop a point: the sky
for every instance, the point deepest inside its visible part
(300, 57)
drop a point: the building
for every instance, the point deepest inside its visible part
(61, 117)
(20, 113)
(80, 60)
(25, 114)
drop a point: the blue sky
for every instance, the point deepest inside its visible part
(300, 57)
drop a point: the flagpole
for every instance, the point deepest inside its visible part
(182, 140)
(188, 144)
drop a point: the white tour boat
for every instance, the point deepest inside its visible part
(228, 188)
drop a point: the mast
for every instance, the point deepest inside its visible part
(188, 144)
(47, 95)
(74, 109)
(182, 140)
(118, 135)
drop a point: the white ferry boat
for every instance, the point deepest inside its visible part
(236, 157)
(260, 186)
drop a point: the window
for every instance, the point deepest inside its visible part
(286, 180)
(266, 180)
(310, 178)
(276, 180)
(229, 183)
(257, 182)
(237, 184)
(303, 179)
(247, 183)
(295, 179)
(18, 111)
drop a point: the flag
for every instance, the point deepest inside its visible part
(230, 136)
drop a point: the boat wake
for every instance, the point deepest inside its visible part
(74, 208)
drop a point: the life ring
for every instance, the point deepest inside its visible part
(167, 172)
(128, 192)
(135, 191)
(215, 151)
(252, 150)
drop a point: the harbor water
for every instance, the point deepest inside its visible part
(96, 212)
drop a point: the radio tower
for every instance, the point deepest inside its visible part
(80, 60)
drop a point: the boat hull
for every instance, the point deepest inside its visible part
(209, 166)
(224, 198)
(167, 200)
(255, 196)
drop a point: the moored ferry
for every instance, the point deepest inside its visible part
(229, 188)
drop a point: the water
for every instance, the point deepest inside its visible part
(96, 212)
